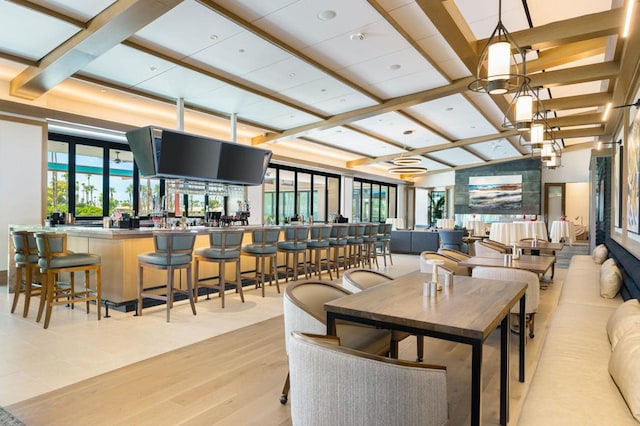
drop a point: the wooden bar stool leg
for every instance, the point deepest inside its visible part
(262, 271)
(99, 291)
(221, 279)
(28, 288)
(190, 290)
(274, 267)
(86, 289)
(18, 289)
(239, 281)
(169, 292)
(50, 289)
(139, 290)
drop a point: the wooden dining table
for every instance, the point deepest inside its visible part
(537, 264)
(466, 312)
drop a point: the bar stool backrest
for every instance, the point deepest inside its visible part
(339, 231)
(170, 243)
(51, 245)
(296, 233)
(266, 235)
(320, 232)
(371, 230)
(227, 240)
(26, 249)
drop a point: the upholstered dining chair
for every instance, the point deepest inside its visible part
(455, 254)
(173, 251)
(26, 260)
(304, 312)
(449, 263)
(336, 385)
(512, 274)
(452, 239)
(358, 279)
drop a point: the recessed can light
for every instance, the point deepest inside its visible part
(327, 15)
(357, 37)
(213, 37)
(448, 109)
(395, 67)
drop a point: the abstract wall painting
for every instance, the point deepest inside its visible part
(495, 192)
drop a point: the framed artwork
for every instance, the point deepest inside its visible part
(495, 192)
(633, 176)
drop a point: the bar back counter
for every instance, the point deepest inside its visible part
(414, 242)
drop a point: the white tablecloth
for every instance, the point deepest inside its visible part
(476, 227)
(445, 223)
(562, 229)
(506, 232)
(531, 228)
(395, 222)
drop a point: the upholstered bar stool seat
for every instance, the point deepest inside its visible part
(317, 244)
(338, 245)
(265, 250)
(294, 245)
(26, 259)
(55, 259)
(224, 247)
(173, 251)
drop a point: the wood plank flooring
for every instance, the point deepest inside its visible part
(236, 379)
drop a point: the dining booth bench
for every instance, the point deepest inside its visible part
(572, 384)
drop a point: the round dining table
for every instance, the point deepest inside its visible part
(562, 229)
(506, 232)
(534, 227)
(476, 227)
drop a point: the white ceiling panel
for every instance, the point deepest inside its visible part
(445, 115)
(405, 85)
(354, 141)
(318, 91)
(169, 31)
(180, 82)
(299, 21)
(411, 16)
(286, 74)
(342, 104)
(575, 89)
(18, 34)
(540, 9)
(482, 16)
(495, 150)
(252, 10)
(392, 125)
(139, 67)
(82, 10)
(455, 156)
(241, 54)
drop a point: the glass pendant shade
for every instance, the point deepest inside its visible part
(537, 134)
(524, 112)
(499, 67)
(553, 162)
(547, 153)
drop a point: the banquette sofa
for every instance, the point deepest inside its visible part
(589, 368)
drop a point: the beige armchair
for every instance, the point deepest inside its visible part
(449, 263)
(304, 312)
(358, 279)
(512, 274)
(335, 385)
(455, 254)
(484, 249)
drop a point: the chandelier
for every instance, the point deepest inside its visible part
(494, 73)
(407, 165)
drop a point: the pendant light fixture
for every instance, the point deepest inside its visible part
(407, 165)
(494, 73)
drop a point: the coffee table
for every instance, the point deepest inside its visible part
(466, 313)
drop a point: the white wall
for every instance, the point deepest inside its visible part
(574, 168)
(21, 177)
(254, 195)
(438, 180)
(422, 207)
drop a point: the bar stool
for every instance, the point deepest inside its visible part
(26, 259)
(318, 242)
(355, 240)
(55, 259)
(384, 242)
(264, 246)
(370, 240)
(338, 242)
(224, 247)
(294, 244)
(173, 251)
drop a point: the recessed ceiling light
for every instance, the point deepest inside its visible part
(395, 67)
(292, 74)
(327, 15)
(323, 90)
(357, 36)
(240, 50)
(153, 69)
(448, 109)
(213, 37)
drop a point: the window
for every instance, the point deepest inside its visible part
(88, 181)
(121, 182)
(373, 201)
(57, 177)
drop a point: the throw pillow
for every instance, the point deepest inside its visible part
(600, 253)
(610, 281)
(625, 317)
(624, 368)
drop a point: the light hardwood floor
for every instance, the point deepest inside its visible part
(236, 378)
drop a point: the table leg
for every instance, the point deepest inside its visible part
(476, 382)
(505, 344)
(523, 333)
(331, 324)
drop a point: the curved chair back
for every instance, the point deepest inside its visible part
(454, 254)
(175, 246)
(266, 235)
(512, 274)
(297, 235)
(50, 245)
(451, 239)
(358, 279)
(319, 235)
(359, 387)
(449, 263)
(339, 232)
(26, 249)
(226, 243)
(483, 249)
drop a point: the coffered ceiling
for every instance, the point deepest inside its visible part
(335, 82)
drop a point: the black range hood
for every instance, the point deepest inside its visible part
(170, 154)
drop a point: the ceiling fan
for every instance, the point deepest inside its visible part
(636, 104)
(119, 160)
